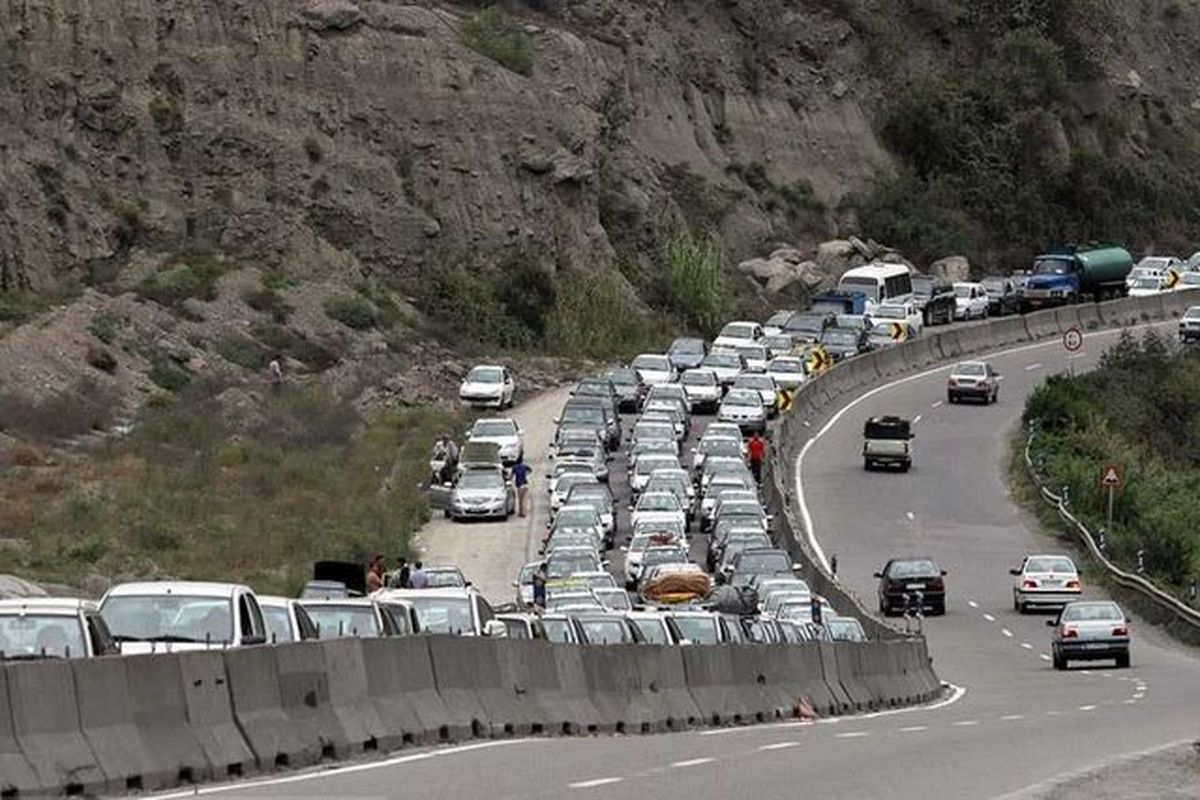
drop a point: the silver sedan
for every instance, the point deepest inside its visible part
(1090, 630)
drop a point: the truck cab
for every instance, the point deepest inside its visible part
(887, 442)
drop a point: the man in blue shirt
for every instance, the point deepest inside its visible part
(520, 473)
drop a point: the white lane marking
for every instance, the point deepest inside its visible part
(347, 770)
(1012, 717)
(914, 729)
(798, 468)
(1087, 708)
(593, 783)
(989, 617)
(1131, 702)
(966, 723)
(1027, 645)
(916, 419)
(937, 404)
(1033, 366)
(910, 515)
(779, 746)
(1044, 656)
(853, 735)
(692, 762)
(1007, 633)
(972, 604)
(1053, 713)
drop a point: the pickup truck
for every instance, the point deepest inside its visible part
(887, 442)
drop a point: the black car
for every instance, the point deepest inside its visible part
(808, 326)
(843, 343)
(758, 562)
(935, 298)
(628, 386)
(687, 353)
(1002, 296)
(903, 581)
(599, 387)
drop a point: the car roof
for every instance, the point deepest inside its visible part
(46, 605)
(356, 602)
(191, 588)
(448, 592)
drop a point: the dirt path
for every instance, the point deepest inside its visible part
(491, 553)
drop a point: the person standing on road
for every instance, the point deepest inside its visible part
(399, 579)
(375, 574)
(520, 472)
(757, 449)
(448, 450)
(416, 578)
(275, 373)
(539, 587)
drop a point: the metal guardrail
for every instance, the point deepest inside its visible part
(1137, 583)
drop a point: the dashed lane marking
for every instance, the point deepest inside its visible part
(779, 746)
(966, 723)
(1007, 633)
(916, 419)
(910, 515)
(972, 604)
(937, 404)
(1033, 366)
(914, 729)
(1044, 656)
(1027, 645)
(853, 734)
(594, 783)
(1087, 708)
(692, 762)
(989, 617)
(1012, 717)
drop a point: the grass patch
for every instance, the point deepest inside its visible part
(243, 351)
(492, 32)
(695, 288)
(268, 301)
(166, 375)
(196, 277)
(105, 326)
(84, 407)
(186, 495)
(600, 318)
(352, 311)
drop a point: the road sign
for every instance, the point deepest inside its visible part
(1072, 339)
(899, 331)
(785, 399)
(1172, 278)
(1112, 477)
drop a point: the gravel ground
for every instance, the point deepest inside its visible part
(1171, 773)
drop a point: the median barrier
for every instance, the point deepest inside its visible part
(159, 708)
(1088, 317)
(1175, 303)
(209, 706)
(615, 687)
(17, 777)
(917, 670)
(304, 697)
(890, 361)
(349, 700)
(974, 338)
(664, 686)
(401, 687)
(464, 669)
(921, 352)
(850, 673)
(1008, 330)
(558, 711)
(767, 701)
(716, 687)
(258, 709)
(858, 371)
(1043, 324)
(947, 344)
(505, 694)
(844, 701)
(1118, 313)
(798, 669)
(586, 716)
(107, 722)
(45, 719)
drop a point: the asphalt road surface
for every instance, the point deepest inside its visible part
(1014, 723)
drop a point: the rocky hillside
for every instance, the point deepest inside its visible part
(359, 184)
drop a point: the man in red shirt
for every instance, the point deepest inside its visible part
(757, 449)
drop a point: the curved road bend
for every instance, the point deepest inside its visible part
(1019, 722)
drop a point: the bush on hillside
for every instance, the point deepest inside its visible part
(493, 33)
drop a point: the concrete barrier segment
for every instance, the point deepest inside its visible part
(159, 707)
(17, 776)
(350, 700)
(258, 710)
(401, 687)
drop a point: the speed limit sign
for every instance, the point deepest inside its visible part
(1073, 339)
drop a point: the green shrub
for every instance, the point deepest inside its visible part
(195, 278)
(600, 318)
(493, 33)
(294, 345)
(243, 351)
(104, 326)
(267, 301)
(695, 289)
(352, 311)
(167, 375)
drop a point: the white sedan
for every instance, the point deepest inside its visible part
(908, 313)
(502, 432)
(1045, 582)
(488, 386)
(737, 334)
(970, 301)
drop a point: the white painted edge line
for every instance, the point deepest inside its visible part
(594, 783)
(1026, 645)
(966, 723)
(798, 468)
(1012, 717)
(334, 772)
(1087, 708)
(1033, 366)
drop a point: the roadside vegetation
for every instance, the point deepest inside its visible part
(492, 32)
(1137, 411)
(256, 496)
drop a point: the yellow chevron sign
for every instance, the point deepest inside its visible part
(818, 360)
(1172, 279)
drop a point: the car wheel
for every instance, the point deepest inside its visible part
(1123, 661)
(1017, 605)
(868, 465)
(906, 466)
(1060, 663)
(951, 399)
(938, 609)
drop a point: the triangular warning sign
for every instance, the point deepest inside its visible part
(1111, 477)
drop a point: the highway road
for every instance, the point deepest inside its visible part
(1015, 722)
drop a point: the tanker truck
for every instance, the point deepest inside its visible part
(1070, 274)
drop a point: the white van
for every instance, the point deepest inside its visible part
(880, 283)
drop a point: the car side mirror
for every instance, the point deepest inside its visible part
(797, 567)
(1014, 572)
(605, 563)
(878, 574)
(516, 584)
(624, 548)
(495, 628)
(943, 573)
(1050, 623)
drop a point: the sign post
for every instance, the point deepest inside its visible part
(1072, 340)
(1111, 480)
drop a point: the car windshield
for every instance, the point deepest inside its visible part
(1051, 266)
(594, 388)
(557, 629)
(699, 378)
(576, 518)
(1048, 564)
(648, 463)
(773, 561)
(614, 598)
(868, 286)
(691, 346)
(755, 382)
(662, 501)
(922, 285)
(889, 312)
(1091, 612)
(971, 370)
(494, 427)
(572, 479)
(962, 291)
(664, 555)
(336, 621)
(583, 414)
(753, 351)
(726, 447)
(485, 375)
(600, 630)
(1190, 278)
(35, 635)
(724, 360)
(993, 286)
(564, 565)
(480, 479)
(884, 329)
(743, 397)
(737, 330)
(590, 494)
(652, 630)
(785, 366)
(622, 377)
(443, 614)
(835, 336)
(172, 617)
(698, 630)
(1194, 311)
(279, 625)
(443, 579)
(846, 630)
(1154, 263)
(652, 363)
(910, 569)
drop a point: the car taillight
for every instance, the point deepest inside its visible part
(1072, 584)
(1028, 584)
(1069, 633)
(937, 584)
(1121, 630)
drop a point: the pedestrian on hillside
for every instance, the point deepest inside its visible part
(417, 578)
(399, 579)
(520, 473)
(757, 450)
(275, 372)
(539, 587)
(375, 574)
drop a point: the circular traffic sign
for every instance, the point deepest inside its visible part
(1073, 339)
